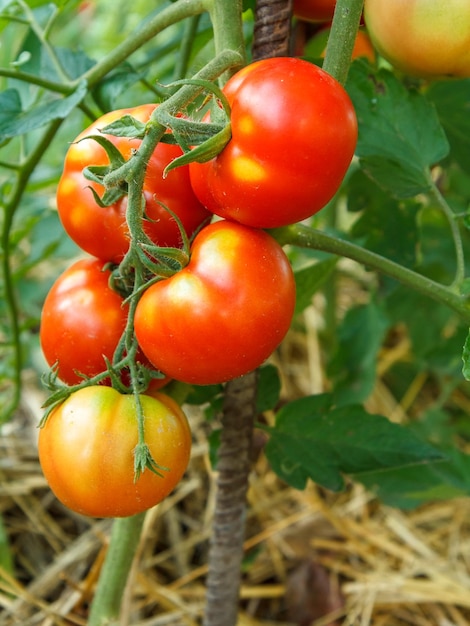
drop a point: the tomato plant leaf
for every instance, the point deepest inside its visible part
(409, 487)
(353, 366)
(114, 84)
(313, 439)
(466, 358)
(126, 126)
(386, 225)
(74, 62)
(310, 279)
(268, 388)
(10, 105)
(400, 135)
(436, 345)
(451, 101)
(20, 122)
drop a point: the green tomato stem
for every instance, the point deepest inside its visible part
(342, 37)
(9, 209)
(337, 61)
(306, 237)
(145, 32)
(226, 16)
(455, 231)
(125, 537)
(187, 42)
(42, 35)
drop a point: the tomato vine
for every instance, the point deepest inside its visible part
(146, 264)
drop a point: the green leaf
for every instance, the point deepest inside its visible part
(436, 345)
(200, 394)
(400, 135)
(126, 126)
(204, 152)
(314, 440)
(268, 388)
(353, 367)
(74, 62)
(214, 444)
(20, 122)
(386, 225)
(115, 84)
(451, 98)
(310, 279)
(466, 358)
(464, 287)
(10, 105)
(409, 487)
(292, 452)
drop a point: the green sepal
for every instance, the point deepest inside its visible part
(115, 157)
(97, 173)
(204, 152)
(109, 197)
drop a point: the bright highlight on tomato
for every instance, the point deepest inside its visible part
(86, 451)
(102, 231)
(224, 313)
(427, 38)
(294, 132)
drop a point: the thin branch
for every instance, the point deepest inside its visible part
(306, 237)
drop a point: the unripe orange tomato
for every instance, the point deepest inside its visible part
(363, 47)
(427, 38)
(86, 451)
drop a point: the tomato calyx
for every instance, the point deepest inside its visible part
(199, 141)
(97, 173)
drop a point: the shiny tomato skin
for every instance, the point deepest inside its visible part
(102, 231)
(82, 321)
(423, 38)
(224, 313)
(86, 451)
(314, 10)
(294, 132)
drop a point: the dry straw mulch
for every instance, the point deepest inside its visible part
(312, 558)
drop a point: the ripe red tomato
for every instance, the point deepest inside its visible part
(294, 132)
(102, 231)
(314, 10)
(86, 451)
(224, 313)
(82, 322)
(427, 38)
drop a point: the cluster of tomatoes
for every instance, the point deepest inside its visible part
(218, 317)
